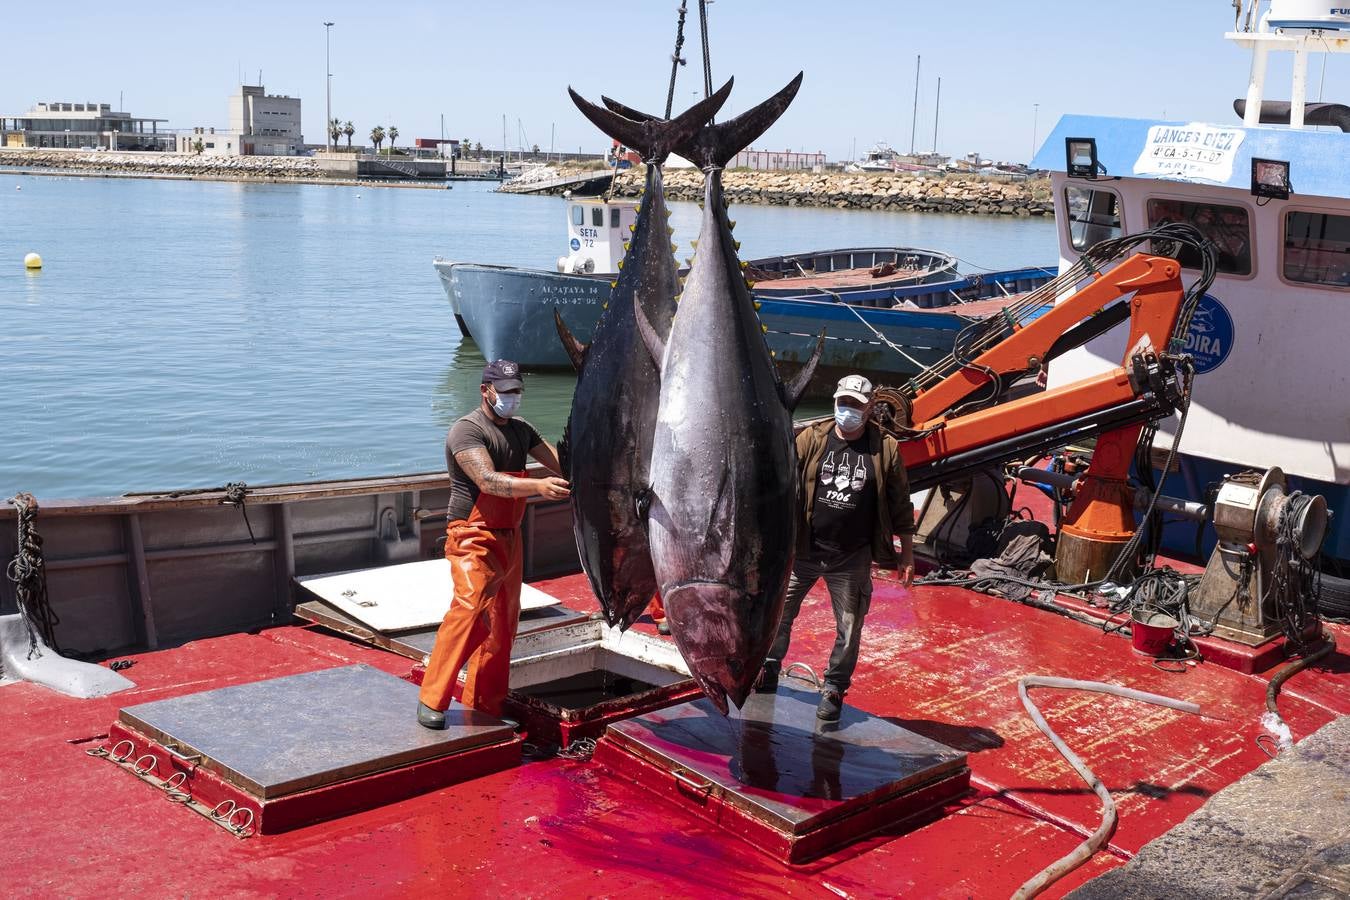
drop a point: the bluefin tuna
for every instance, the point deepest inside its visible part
(608, 439)
(721, 517)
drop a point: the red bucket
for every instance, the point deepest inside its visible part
(1151, 632)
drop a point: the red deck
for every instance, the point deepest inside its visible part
(941, 661)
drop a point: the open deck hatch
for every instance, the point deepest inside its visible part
(776, 776)
(570, 682)
(311, 746)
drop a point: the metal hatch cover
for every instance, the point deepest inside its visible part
(776, 763)
(277, 737)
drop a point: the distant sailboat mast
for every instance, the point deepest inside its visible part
(914, 119)
(937, 108)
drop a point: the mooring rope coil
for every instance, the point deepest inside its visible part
(28, 571)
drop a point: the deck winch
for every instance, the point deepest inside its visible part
(1263, 529)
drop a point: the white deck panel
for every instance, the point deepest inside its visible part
(402, 597)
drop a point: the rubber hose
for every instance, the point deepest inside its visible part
(1279, 727)
(1084, 851)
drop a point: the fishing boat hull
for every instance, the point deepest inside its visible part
(508, 312)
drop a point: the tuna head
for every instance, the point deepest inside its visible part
(723, 632)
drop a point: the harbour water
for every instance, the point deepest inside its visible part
(189, 334)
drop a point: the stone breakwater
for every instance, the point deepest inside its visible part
(971, 195)
(168, 164)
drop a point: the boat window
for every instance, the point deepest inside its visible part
(578, 216)
(1226, 226)
(614, 217)
(597, 217)
(1317, 248)
(1094, 215)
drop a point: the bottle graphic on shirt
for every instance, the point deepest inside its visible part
(859, 475)
(842, 474)
(827, 469)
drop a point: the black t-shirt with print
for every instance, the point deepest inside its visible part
(843, 515)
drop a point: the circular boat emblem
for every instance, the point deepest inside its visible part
(576, 244)
(1211, 335)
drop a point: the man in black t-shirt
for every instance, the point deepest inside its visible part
(486, 454)
(853, 499)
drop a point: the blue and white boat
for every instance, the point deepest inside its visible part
(1273, 194)
(888, 310)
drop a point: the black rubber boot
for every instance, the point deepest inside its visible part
(430, 718)
(831, 705)
(767, 683)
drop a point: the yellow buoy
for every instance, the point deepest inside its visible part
(32, 261)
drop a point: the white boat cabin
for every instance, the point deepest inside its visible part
(596, 232)
(1269, 338)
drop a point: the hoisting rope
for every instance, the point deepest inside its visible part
(28, 571)
(1084, 851)
(707, 51)
(675, 59)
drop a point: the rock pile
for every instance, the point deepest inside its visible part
(165, 164)
(966, 194)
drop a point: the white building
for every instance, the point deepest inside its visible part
(261, 124)
(82, 125)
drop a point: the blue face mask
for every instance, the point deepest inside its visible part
(506, 404)
(848, 418)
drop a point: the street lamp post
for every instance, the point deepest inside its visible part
(328, 86)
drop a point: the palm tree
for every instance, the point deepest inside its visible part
(348, 129)
(335, 130)
(377, 137)
(393, 136)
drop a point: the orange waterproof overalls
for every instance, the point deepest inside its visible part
(480, 626)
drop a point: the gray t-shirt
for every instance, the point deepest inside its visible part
(508, 447)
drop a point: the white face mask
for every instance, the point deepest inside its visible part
(506, 404)
(848, 418)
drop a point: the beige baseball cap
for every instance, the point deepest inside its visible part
(855, 386)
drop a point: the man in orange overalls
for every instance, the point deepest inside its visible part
(485, 453)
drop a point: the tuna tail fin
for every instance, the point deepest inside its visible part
(653, 138)
(655, 346)
(576, 350)
(716, 145)
(794, 389)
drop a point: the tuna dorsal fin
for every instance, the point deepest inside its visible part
(652, 137)
(716, 145)
(576, 350)
(793, 390)
(655, 346)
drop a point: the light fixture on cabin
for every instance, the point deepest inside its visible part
(1270, 178)
(1080, 157)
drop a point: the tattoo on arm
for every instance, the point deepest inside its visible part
(478, 466)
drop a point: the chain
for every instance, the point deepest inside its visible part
(675, 59)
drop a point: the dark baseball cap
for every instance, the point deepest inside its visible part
(503, 374)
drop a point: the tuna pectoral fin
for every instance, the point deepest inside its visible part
(655, 346)
(642, 503)
(793, 390)
(576, 350)
(652, 137)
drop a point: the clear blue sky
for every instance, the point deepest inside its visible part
(405, 62)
